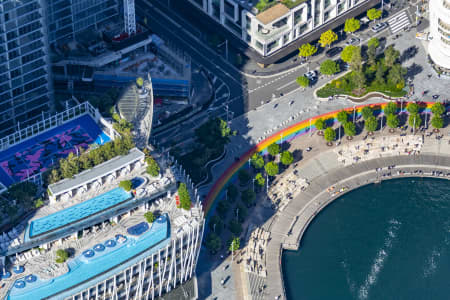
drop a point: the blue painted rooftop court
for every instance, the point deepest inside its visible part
(84, 272)
(37, 154)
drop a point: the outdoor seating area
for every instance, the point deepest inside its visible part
(11, 238)
(286, 189)
(254, 254)
(378, 147)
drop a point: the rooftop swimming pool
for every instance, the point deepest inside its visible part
(78, 212)
(84, 272)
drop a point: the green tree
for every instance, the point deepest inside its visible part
(371, 124)
(329, 134)
(261, 5)
(271, 168)
(257, 161)
(390, 56)
(438, 108)
(372, 56)
(216, 224)
(243, 176)
(152, 167)
(242, 212)
(38, 203)
(54, 176)
(24, 192)
(359, 79)
(273, 149)
(62, 256)
(374, 14)
(222, 208)
(356, 63)
(306, 50)
(366, 112)
(342, 117)
(213, 242)
(248, 196)
(320, 125)
(260, 180)
(350, 129)
(379, 75)
(302, 81)
(234, 244)
(390, 108)
(396, 75)
(149, 217)
(287, 158)
(140, 81)
(327, 38)
(392, 121)
(329, 67)
(373, 42)
(347, 53)
(126, 185)
(233, 192)
(437, 122)
(235, 227)
(351, 25)
(414, 120)
(185, 198)
(413, 108)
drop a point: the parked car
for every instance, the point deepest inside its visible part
(311, 74)
(333, 51)
(353, 41)
(378, 27)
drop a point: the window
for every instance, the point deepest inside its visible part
(285, 38)
(298, 16)
(229, 9)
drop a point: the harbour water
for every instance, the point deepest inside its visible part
(383, 241)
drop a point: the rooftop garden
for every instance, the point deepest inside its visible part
(263, 5)
(292, 3)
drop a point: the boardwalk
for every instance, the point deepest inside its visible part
(324, 171)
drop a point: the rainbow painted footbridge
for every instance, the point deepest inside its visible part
(288, 134)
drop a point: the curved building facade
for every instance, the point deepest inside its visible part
(439, 47)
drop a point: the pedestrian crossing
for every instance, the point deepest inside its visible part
(398, 22)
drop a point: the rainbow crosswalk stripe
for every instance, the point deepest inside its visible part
(288, 134)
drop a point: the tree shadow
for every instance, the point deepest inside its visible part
(413, 70)
(408, 54)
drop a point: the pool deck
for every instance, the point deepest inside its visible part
(323, 171)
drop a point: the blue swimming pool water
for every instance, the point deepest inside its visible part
(96, 268)
(79, 211)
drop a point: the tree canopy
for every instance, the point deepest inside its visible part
(213, 242)
(243, 176)
(390, 56)
(356, 62)
(287, 158)
(327, 38)
(302, 81)
(271, 168)
(234, 244)
(373, 14)
(329, 134)
(320, 124)
(62, 256)
(273, 149)
(392, 121)
(347, 53)
(235, 227)
(248, 196)
(185, 198)
(216, 224)
(24, 192)
(152, 166)
(214, 132)
(329, 67)
(390, 108)
(413, 108)
(414, 120)
(257, 161)
(351, 25)
(438, 108)
(342, 117)
(126, 185)
(373, 42)
(306, 50)
(350, 129)
(437, 121)
(366, 112)
(232, 192)
(260, 180)
(371, 124)
(149, 217)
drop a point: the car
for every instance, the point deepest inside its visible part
(333, 51)
(308, 149)
(378, 27)
(311, 74)
(353, 41)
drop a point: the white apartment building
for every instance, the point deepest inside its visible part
(280, 23)
(439, 46)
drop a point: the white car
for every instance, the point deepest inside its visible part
(378, 27)
(311, 74)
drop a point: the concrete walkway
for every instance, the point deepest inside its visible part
(324, 172)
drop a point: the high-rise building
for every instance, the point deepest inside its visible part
(25, 80)
(439, 46)
(272, 26)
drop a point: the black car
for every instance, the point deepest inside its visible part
(333, 51)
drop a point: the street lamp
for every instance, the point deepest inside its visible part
(354, 113)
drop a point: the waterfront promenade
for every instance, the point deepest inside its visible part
(330, 179)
